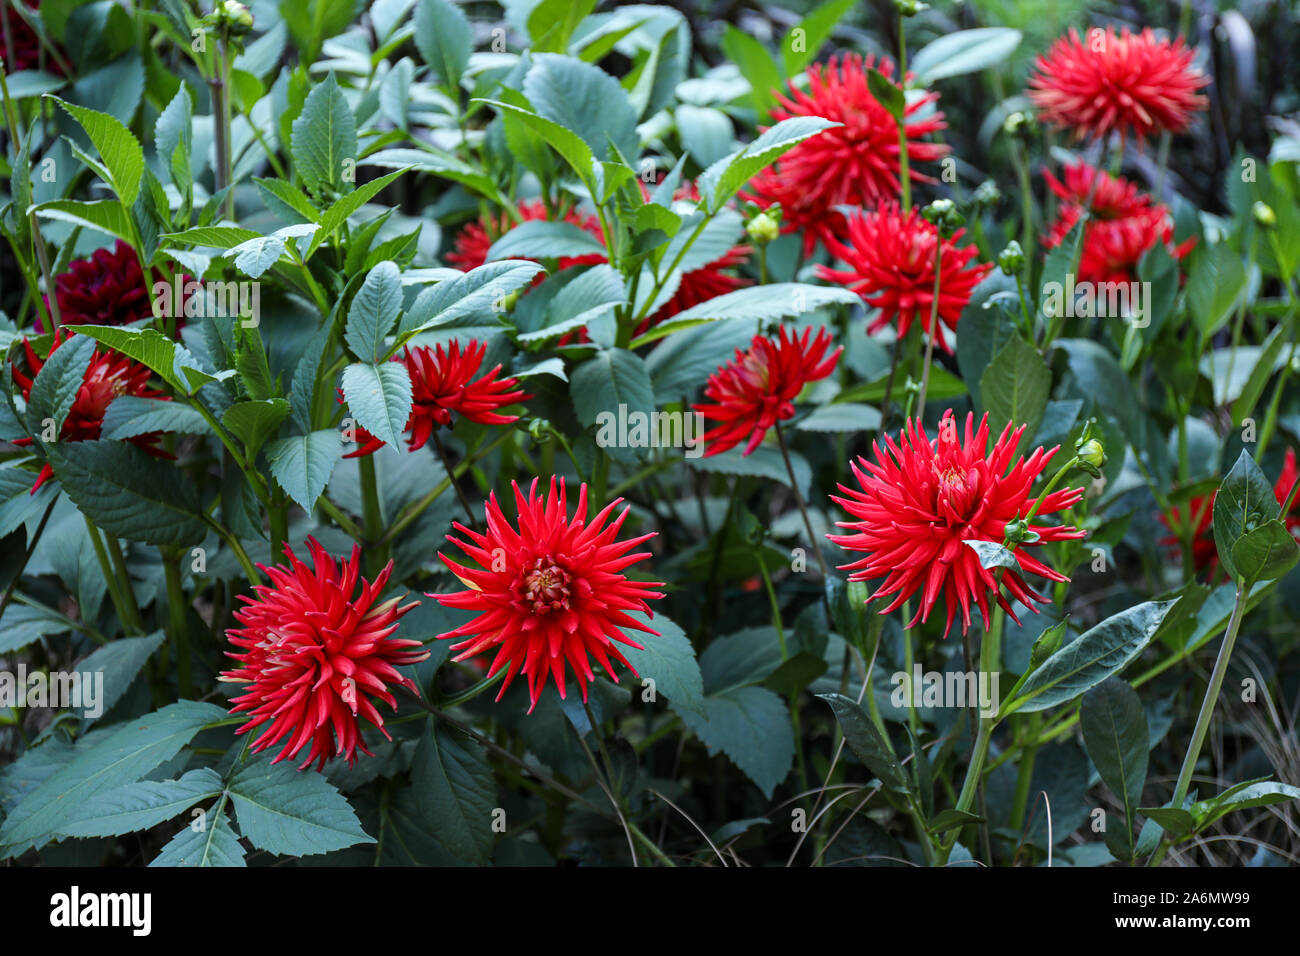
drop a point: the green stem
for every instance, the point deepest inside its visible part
(798, 497)
(371, 516)
(1207, 710)
(177, 628)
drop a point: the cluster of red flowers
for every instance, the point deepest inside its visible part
(922, 501)
(443, 382)
(1123, 225)
(22, 48)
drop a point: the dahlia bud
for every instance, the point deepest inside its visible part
(910, 8)
(539, 430)
(764, 227)
(1092, 455)
(943, 214)
(235, 17)
(1017, 124)
(1018, 532)
(1264, 215)
(1011, 259)
(986, 195)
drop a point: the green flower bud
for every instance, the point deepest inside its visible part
(1264, 215)
(910, 8)
(1091, 455)
(1017, 124)
(764, 227)
(987, 194)
(1017, 532)
(539, 429)
(237, 17)
(944, 215)
(1011, 259)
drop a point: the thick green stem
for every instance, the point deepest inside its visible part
(371, 516)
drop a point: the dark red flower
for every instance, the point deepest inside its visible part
(442, 383)
(1125, 223)
(891, 260)
(1133, 83)
(919, 504)
(856, 164)
(316, 655)
(22, 47)
(473, 242)
(551, 594)
(109, 375)
(106, 289)
(757, 389)
(1283, 488)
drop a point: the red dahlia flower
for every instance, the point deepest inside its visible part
(891, 260)
(856, 164)
(1125, 223)
(316, 654)
(551, 593)
(758, 387)
(1128, 82)
(443, 382)
(109, 375)
(106, 289)
(1283, 488)
(919, 503)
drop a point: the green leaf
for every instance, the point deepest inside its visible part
(668, 660)
(1088, 660)
(551, 23)
(456, 793)
(108, 216)
(324, 138)
(723, 179)
(571, 147)
(253, 422)
(379, 397)
(1242, 797)
(129, 416)
(585, 100)
(1265, 366)
(1115, 735)
(1014, 388)
(868, 743)
(218, 237)
(128, 493)
(1177, 823)
(993, 554)
(214, 845)
(373, 311)
(582, 298)
(965, 51)
(764, 462)
(801, 44)
(611, 378)
(539, 239)
(1215, 281)
(303, 464)
(22, 624)
(778, 300)
(116, 664)
(56, 386)
(100, 763)
(121, 152)
(752, 727)
(756, 65)
(444, 39)
(1245, 501)
(339, 213)
(841, 417)
(172, 137)
(287, 200)
(887, 93)
(172, 361)
(1265, 553)
(139, 806)
(289, 813)
(466, 296)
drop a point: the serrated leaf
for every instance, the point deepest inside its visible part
(303, 464)
(130, 415)
(121, 152)
(455, 792)
(324, 138)
(1015, 387)
(114, 667)
(668, 660)
(723, 179)
(778, 300)
(292, 814)
(139, 806)
(128, 493)
(379, 397)
(373, 311)
(752, 727)
(1245, 500)
(214, 845)
(444, 39)
(253, 422)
